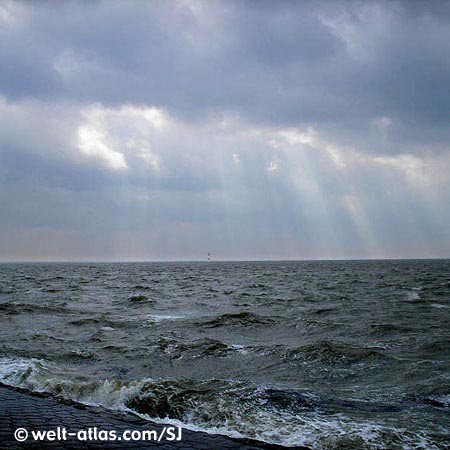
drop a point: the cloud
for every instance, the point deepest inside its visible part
(262, 129)
(91, 143)
(341, 63)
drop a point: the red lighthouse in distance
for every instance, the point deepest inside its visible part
(209, 257)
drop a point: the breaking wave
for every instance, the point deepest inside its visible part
(231, 407)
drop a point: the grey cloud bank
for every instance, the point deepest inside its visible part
(164, 130)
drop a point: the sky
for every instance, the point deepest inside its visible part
(164, 130)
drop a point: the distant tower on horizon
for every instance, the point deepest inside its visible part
(209, 257)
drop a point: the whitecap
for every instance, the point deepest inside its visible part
(242, 349)
(413, 295)
(161, 317)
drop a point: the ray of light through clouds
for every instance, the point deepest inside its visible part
(252, 130)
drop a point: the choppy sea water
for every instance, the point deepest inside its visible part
(348, 354)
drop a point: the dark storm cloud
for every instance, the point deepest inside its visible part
(336, 63)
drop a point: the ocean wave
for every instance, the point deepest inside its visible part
(140, 299)
(382, 329)
(413, 296)
(242, 318)
(140, 287)
(199, 348)
(297, 402)
(7, 289)
(231, 407)
(80, 354)
(434, 392)
(101, 322)
(335, 353)
(163, 317)
(440, 401)
(14, 308)
(327, 352)
(439, 346)
(324, 310)
(440, 306)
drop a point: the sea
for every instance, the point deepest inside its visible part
(325, 354)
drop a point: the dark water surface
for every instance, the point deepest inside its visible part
(348, 354)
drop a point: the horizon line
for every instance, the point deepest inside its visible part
(118, 261)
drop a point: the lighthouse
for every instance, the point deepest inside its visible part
(209, 257)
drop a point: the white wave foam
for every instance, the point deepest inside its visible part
(242, 349)
(412, 295)
(162, 317)
(440, 305)
(13, 370)
(223, 413)
(41, 376)
(317, 432)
